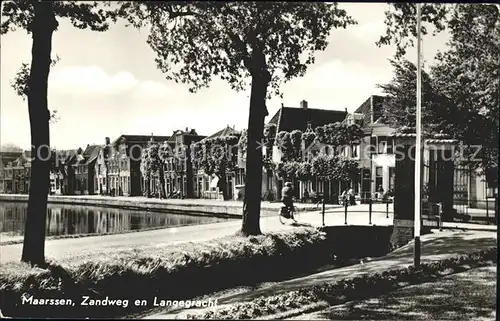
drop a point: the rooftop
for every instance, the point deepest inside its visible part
(292, 118)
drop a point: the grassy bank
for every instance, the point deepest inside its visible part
(318, 297)
(169, 272)
(469, 295)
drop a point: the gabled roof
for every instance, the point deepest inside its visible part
(24, 158)
(227, 131)
(180, 132)
(291, 118)
(374, 104)
(7, 157)
(91, 153)
(140, 139)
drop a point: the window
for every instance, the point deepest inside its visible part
(392, 178)
(355, 151)
(382, 145)
(378, 177)
(345, 151)
(491, 182)
(373, 145)
(390, 145)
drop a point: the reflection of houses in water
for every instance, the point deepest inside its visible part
(111, 221)
(67, 219)
(54, 221)
(12, 218)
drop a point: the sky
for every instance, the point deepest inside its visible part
(107, 84)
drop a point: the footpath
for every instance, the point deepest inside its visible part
(435, 246)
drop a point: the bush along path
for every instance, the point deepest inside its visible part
(306, 300)
(166, 272)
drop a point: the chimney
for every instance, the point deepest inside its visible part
(187, 129)
(282, 105)
(107, 141)
(303, 104)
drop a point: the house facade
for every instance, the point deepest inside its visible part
(84, 170)
(7, 160)
(377, 149)
(207, 186)
(179, 172)
(20, 171)
(101, 169)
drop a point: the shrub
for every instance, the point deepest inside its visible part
(349, 289)
(180, 272)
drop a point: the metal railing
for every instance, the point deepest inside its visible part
(368, 208)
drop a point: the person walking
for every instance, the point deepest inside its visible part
(287, 199)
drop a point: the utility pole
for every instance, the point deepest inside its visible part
(418, 146)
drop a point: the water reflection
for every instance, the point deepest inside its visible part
(74, 219)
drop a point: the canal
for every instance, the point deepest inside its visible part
(77, 219)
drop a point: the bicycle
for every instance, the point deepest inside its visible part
(285, 214)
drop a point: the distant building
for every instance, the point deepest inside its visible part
(17, 173)
(68, 158)
(6, 160)
(85, 170)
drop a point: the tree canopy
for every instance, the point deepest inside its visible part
(196, 41)
(463, 84)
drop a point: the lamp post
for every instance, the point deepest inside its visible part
(418, 146)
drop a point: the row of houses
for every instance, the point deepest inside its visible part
(114, 168)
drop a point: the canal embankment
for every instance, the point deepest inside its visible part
(229, 209)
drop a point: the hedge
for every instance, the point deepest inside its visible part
(348, 289)
(171, 272)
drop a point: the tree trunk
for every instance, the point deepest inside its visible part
(163, 192)
(253, 182)
(44, 24)
(148, 186)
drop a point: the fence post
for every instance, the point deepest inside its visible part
(487, 211)
(345, 211)
(495, 219)
(370, 211)
(323, 212)
(387, 208)
(440, 220)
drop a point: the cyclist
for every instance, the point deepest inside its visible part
(287, 199)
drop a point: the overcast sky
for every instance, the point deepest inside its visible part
(107, 84)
